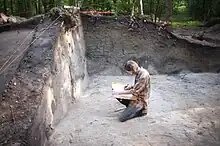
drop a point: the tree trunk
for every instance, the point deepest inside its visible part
(36, 8)
(30, 7)
(5, 7)
(46, 5)
(12, 11)
(159, 12)
(20, 5)
(133, 8)
(136, 8)
(151, 5)
(190, 7)
(24, 3)
(169, 10)
(59, 3)
(156, 10)
(203, 11)
(51, 4)
(141, 9)
(39, 7)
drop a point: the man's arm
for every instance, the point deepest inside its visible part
(137, 88)
(140, 85)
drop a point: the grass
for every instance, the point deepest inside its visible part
(180, 21)
(184, 22)
(180, 16)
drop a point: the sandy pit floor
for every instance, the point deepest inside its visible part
(184, 110)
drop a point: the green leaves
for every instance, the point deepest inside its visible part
(196, 9)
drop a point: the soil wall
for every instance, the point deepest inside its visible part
(51, 75)
(110, 41)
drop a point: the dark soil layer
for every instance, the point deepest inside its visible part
(109, 41)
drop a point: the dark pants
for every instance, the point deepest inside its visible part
(131, 112)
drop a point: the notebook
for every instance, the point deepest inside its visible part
(118, 87)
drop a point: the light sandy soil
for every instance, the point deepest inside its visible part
(184, 110)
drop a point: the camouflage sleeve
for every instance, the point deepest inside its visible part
(140, 85)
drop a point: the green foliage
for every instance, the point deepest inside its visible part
(184, 21)
(204, 9)
(123, 7)
(187, 11)
(180, 7)
(99, 5)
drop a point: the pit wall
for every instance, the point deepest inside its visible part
(50, 77)
(108, 40)
(66, 84)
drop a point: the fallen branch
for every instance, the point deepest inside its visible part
(4, 17)
(23, 24)
(194, 41)
(96, 13)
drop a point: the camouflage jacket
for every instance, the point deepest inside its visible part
(141, 88)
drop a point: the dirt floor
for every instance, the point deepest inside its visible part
(184, 111)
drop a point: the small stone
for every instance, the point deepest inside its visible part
(25, 127)
(3, 97)
(16, 144)
(15, 83)
(124, 134)
(70, 141)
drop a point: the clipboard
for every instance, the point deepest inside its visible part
(124, 99)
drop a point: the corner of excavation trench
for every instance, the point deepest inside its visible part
(58, 93)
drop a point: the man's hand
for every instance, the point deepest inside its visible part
(128, 87)
(132, 91)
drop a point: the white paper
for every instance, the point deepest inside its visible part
(118, 87)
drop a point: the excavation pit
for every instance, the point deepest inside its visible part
(44, 101)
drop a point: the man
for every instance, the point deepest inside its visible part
(140, 89)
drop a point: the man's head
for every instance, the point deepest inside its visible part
(131, 67)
